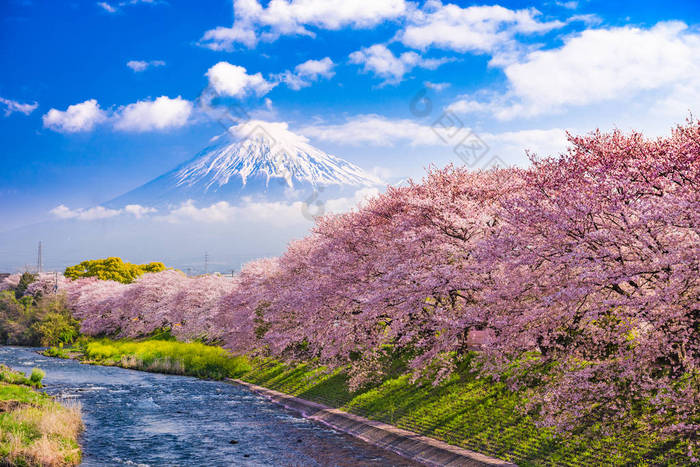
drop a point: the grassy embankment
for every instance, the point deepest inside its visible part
(475, 413)
(35, 429)
(160, 355)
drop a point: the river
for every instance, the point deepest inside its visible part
(137, 418)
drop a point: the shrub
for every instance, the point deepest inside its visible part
(36, 377)
(57, 328)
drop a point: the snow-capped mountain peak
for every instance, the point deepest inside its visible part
(269, 150)
(253, 159)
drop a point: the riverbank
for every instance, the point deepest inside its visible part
(145, 418)
(466, 411)
(34, 428)
(427, 451)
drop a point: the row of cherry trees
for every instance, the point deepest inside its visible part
(579, 276)
(163, 300)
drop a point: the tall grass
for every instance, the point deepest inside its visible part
(167, 356)
(34, 428)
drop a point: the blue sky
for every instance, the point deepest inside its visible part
(97, 98)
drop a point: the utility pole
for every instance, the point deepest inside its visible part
(39, 262)
(55, 278)
(206, 263)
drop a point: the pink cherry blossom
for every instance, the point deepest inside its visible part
(586, 265)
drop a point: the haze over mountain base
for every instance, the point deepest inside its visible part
(178, 244)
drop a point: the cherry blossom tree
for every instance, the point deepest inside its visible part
(96, 303)
(241, 314)
(10, 282)
(47, 283)
(600, 253)
(162, 300)
(192, 307)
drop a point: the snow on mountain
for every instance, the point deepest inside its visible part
(255, 158)
(274, 151)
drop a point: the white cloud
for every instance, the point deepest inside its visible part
(148, 115)
(98, 212)
(380, 131)
(381, 61)
(466, 105)
(383, 173)
(113, 8)
(275, 212)
(138, 211)
(141, 65)
(360, 197)
(187, 211)
(375, 130)
(234, 81)
(107, 7)
(571, 5)
(222, 38)
(76, 118)
(436, 86)
(160, 114)
(254, 22)
(479, 29)
(279, 213)
(14, 106)
(513, 144)
(589, 19)
(305, 73)
(315, 68)
(601, 64)
(597, 66)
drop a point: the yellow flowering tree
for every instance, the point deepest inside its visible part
(113, 269)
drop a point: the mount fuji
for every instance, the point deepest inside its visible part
(245, 196)
(253, 160)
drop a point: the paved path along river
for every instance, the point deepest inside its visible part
(137, 418)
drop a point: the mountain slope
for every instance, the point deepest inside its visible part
(255, 159)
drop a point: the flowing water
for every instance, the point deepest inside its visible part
(137, 418)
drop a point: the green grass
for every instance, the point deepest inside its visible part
(22, 394)
(58, 352)
(167, 356)
(466, 410)
(34, 429)
(15, 377)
